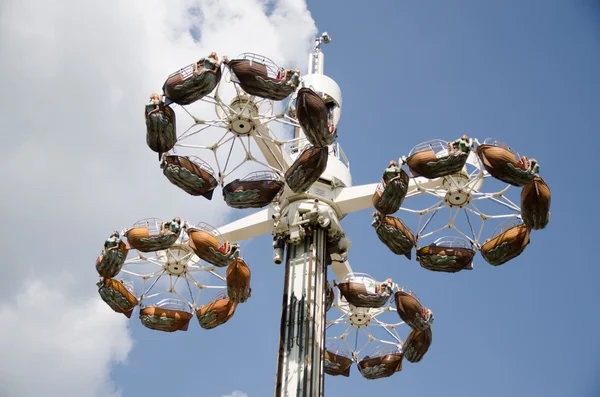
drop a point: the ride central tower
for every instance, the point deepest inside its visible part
(309, 229)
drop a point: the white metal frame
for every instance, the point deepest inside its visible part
(476, 175)
(320, 209)
(186, 287)
(265, 115)
(381, 319)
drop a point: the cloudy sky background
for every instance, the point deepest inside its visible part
(78, 74)
(75, 77)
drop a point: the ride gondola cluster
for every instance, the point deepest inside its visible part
(256, 78)
(363, 299)
(176, 249)
(439, 168)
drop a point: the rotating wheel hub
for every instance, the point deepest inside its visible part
(360, 319)
(176, 268)
(241, 125)
(241, 120)
(458, 193)
(457, 198)
(176, 259)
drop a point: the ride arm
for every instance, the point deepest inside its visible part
(248, 227)
(272, 152)
(340, 269)
(357, 198)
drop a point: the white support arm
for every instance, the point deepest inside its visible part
(341, 269)
(250, 226)
(273, 153)
(355, 198)
(349, 199)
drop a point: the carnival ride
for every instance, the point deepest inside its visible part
(448, 181)
(282, 128)
(372, 312)
(167, 279)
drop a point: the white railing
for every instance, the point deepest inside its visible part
(452, 242)
(503, 227)
(495, 142)
(174, 304)
(153, 224)
(296, 145)
(384, 350)
(211, 230)
(337, 350)
(185, 72)
(436, 145)
(203, 165)
(261, 176)
(272, 68)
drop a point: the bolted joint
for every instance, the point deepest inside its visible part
(323, 221)
(297, 234)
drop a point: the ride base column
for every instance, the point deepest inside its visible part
(302, 334)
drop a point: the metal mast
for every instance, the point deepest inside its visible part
(300, 359)
(302, 332)
(307, 227)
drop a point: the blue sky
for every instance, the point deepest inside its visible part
(525, 72)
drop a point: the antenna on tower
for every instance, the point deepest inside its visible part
(324, 39)
(316, 59)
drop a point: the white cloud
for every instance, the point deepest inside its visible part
(51, 344)
(236, 394)
(75, 77)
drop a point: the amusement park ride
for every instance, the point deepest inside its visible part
(306, 186)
